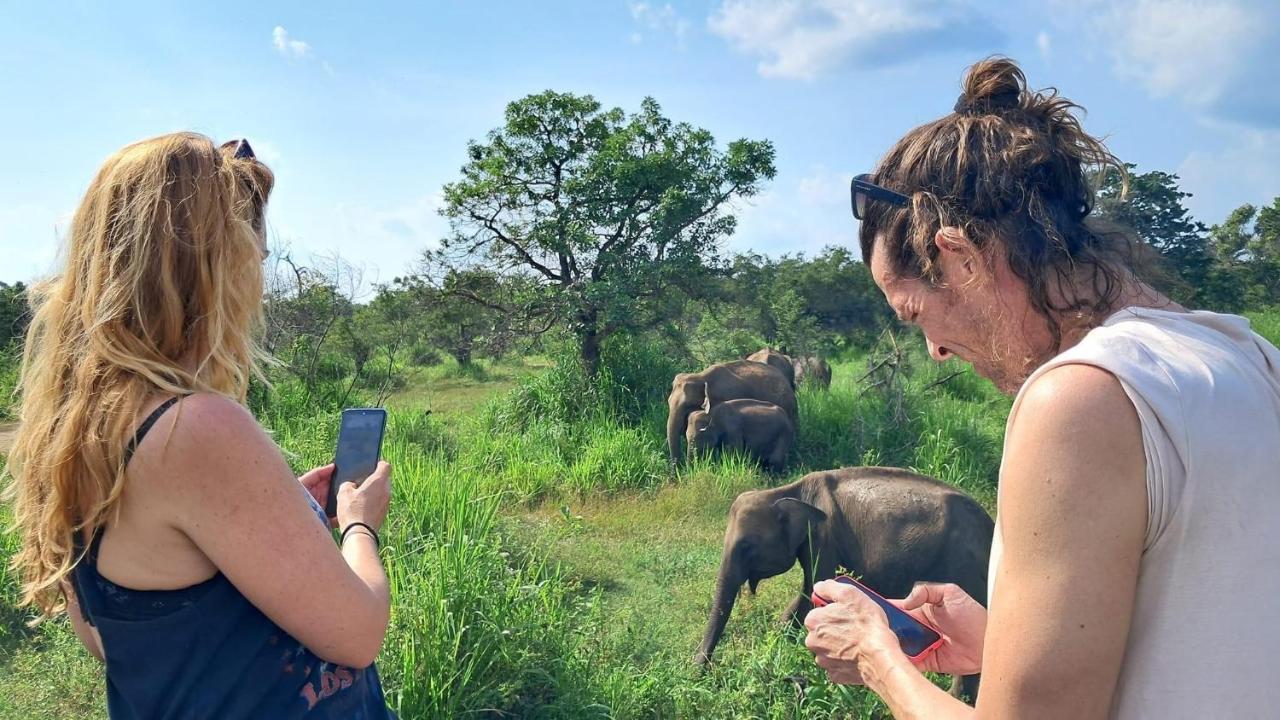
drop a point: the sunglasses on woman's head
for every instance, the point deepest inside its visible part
(863, 191)
(242, 149)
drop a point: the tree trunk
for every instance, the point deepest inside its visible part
(462, 355)
(728, 584)
(589, 337)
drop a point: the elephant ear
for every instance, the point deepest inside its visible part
(800, 521)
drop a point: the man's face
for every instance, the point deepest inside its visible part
(978, 314)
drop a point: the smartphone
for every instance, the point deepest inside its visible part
(359, 448)
(916, 638)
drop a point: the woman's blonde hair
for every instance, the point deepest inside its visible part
(161, 294)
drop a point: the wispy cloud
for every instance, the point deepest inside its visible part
(1044, 44)
(1216, 56)
(659, 19)
(802, 39)
(288, 47)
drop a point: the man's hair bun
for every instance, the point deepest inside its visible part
(991, 87)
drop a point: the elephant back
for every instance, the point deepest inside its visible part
(776, 360)
(910, 528)
(750, 380)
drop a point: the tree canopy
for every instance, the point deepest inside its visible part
(616, 218)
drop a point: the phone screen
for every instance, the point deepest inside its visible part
(915, 637)
(359, 447)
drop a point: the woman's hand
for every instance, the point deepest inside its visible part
(849, 636)
(368, 502)
(316, 483)
(960, 619)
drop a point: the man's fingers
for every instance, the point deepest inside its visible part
(837, 592)
(924, 594)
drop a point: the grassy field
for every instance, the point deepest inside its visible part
(546, 563)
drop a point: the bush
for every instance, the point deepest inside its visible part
(9, 362)
(421, 355)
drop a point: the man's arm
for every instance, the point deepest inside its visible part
(1073, 518)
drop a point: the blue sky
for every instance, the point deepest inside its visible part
(364, 110)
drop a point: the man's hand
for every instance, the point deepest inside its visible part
(960, 619)
(849, 636)
(316, 483)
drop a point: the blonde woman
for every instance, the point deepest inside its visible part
(150, 504)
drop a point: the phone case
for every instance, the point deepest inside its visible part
(331, 506)
(819, 601)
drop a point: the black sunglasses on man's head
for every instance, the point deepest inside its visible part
(862, 191)
(242, 149)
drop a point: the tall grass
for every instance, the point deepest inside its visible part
(486, 625)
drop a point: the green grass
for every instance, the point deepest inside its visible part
(450, 389)
(545, 561)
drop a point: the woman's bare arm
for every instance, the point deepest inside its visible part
(233, 494)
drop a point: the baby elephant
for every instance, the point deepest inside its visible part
(762, 429)
(890, 526)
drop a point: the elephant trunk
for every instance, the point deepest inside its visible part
(728, 584)
(677, 419)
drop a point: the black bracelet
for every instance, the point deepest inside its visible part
(347, 529)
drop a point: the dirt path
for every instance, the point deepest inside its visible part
(7, 431)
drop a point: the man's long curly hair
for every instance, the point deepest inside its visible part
(1015, 170)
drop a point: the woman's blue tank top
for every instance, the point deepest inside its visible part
(206, 652)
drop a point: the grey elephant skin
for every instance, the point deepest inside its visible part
(760, 428)
(812, 369)
(775, 359)
(737, 380)
(891, 527)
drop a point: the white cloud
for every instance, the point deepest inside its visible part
(1216, 56)
(803, 214)
(1044, 44)
(655, 19)
(287, 47)
(802, 39)
(1242, 171)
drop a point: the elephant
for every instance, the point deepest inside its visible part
(740, 379)
(773, 358)
(891, 527)
(813, 369)
(761, 428)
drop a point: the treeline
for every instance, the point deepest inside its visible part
(1229, 267)
(577, 225)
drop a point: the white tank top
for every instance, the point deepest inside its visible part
(1204, 632)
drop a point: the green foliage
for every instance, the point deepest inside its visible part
(9, 365)
(1229, 267)
(615, 218)
(14, 313)
(818, 305)
(1246, 249)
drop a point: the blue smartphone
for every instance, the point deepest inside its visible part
(359, 448)
(915, 638)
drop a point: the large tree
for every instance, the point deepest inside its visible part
(617, 218)
(13, 313)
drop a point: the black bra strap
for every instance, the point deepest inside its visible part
(145, 427)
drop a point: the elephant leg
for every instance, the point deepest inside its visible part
(796, 612)
(965, 688)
